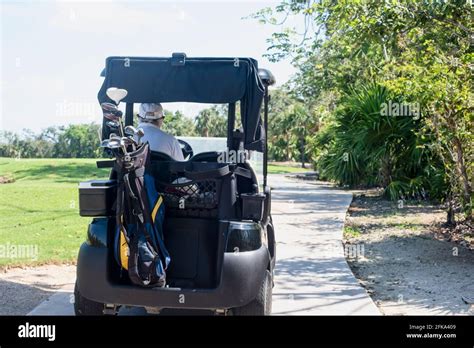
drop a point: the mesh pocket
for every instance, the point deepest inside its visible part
(191, 194)
(192, 189)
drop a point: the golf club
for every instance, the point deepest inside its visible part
(113, 114)
(113, 124)
(140, 134)
(114, 117)
(132, 131)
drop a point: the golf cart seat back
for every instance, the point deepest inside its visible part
(208, 156)
(245, 184)
(160, 156)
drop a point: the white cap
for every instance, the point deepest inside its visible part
(150, 111)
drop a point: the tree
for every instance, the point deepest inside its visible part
(24, 145)
(178, 124)
(78, 141)
(290, 125)
(210, 123)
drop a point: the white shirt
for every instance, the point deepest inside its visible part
(161, 141)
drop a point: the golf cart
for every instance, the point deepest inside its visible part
(220, 238)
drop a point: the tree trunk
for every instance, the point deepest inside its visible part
(450, 217)
(450, 220)
(288, 151)
(302, 149)
(461, 166)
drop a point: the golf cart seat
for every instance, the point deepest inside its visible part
(209, 156)
(160, 156)
(244, 184)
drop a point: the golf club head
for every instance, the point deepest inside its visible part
(130, 130)
(116, 94)
(113, 124)
(109, 107)
(111, 112)
(129, 141)
(104, 143)
(140, 132)
(114, 143)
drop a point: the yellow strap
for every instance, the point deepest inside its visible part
(155, 209)
(124, 252)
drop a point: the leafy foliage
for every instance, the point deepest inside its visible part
(211, 123)
(178, 125)
(78, 141)
(362, 52)
(290, 127)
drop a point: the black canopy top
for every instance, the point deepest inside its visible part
(200, 80)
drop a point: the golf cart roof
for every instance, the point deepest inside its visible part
(200, 80)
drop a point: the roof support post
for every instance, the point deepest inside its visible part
(266, 99)
(129, 114)
(230, 126)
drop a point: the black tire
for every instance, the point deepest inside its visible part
(272, 243)
(84, 306)
(262, 304)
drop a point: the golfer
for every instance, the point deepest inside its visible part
(151, 120)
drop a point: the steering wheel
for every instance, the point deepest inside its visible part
(186, 149)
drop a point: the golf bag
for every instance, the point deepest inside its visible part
(139, 243)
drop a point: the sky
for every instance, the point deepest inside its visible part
(52, 52)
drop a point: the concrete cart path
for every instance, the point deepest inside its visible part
(311, 276)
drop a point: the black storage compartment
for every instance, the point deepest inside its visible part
(97, 197)
(193, 245)
(252, 206)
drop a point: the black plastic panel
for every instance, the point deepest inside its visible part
(97, 232)
(192, 244)
(96, 197)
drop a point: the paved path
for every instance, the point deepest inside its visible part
(312, 276)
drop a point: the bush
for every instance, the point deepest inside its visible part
(363, 147)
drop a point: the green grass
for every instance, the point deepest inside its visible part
(280, 169)
(41, 207)
(406, 226)
(351, 231)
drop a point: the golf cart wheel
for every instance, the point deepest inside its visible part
(84, 306)
(262, 304)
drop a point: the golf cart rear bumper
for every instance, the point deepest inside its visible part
(242, 275)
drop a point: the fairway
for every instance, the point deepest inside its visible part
(40, 208)
(282, 169)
